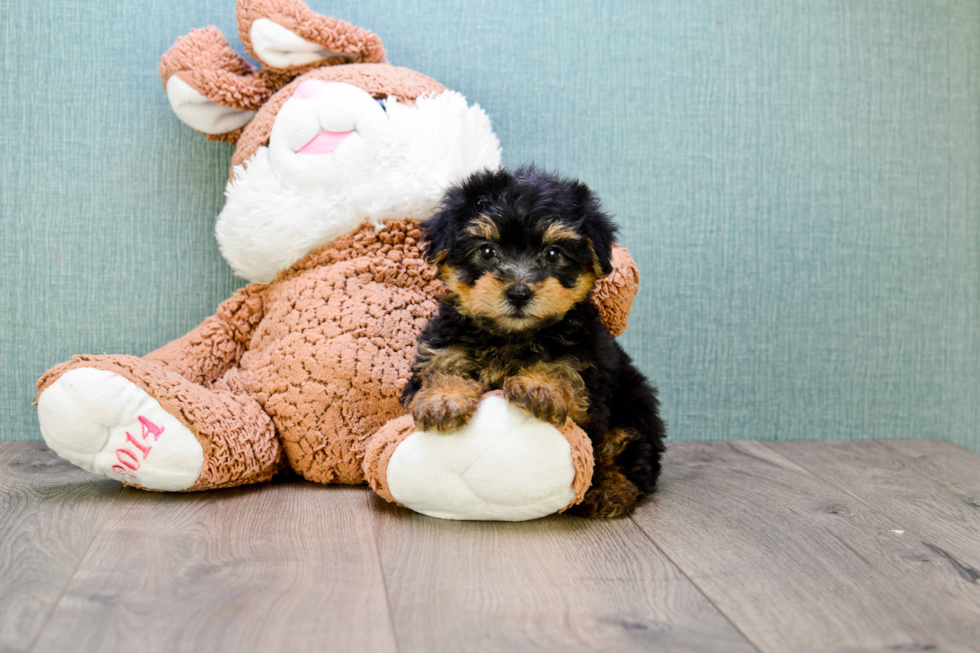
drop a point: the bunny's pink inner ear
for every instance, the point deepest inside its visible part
(285, 35)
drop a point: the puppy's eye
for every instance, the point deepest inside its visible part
(552, 254)
(487, 253)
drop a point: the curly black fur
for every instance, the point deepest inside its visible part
(546, 347)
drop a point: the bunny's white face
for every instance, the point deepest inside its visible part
(325, 129)
(337, 157)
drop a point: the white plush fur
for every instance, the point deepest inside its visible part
(86, 416)
(282, 205)
(503, 465)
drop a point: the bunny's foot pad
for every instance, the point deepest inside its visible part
(107, 425)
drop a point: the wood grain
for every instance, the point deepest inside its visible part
(913, 495)
(952, 466)
(799, 565)
(50, 511)
(829, 546)
(288, 566)
(558, 584)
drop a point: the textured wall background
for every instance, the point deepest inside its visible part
(799, 180)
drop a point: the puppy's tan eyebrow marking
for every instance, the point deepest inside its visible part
(483, 227)
(557, 231)
(596, 266)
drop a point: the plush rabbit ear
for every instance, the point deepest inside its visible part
(277, 47)
(286, 35)
(200, 113)
(210, 87)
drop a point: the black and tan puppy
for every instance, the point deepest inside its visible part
(519, 253)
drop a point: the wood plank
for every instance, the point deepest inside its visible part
(557, 584)
(948, 464)
(50, 511)
(287, 566)
(896, 485)
(797, 564)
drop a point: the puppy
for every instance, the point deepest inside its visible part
(519, 253)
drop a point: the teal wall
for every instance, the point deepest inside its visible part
(798, 179)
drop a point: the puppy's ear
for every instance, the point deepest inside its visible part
(458, 205)
(437, 235)
(598, 227)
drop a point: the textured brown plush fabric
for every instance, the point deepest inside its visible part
(378, 80)
(378, 452)
(582, 459)
(613, 294)
(311, 365)
(217, 344)
(334, 348)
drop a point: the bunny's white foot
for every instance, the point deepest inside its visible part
(502, 465)
(107, 425)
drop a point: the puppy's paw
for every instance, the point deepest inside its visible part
(611, 495)
(540, 397)
(444, 408)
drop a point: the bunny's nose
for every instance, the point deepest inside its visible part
(518, 295)
(310, 88)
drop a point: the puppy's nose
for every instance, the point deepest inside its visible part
(518, 295)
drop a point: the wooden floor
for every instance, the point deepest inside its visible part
(802, 546)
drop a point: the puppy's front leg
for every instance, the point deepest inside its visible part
(445, 402)
(552, 392)
(442, 393)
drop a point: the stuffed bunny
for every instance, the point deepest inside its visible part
(339, 155)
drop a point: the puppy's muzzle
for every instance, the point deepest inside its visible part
(518, 295)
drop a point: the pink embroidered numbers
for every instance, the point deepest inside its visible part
(129, 461)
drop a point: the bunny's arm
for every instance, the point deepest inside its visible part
(613, 294)
(207, 352)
